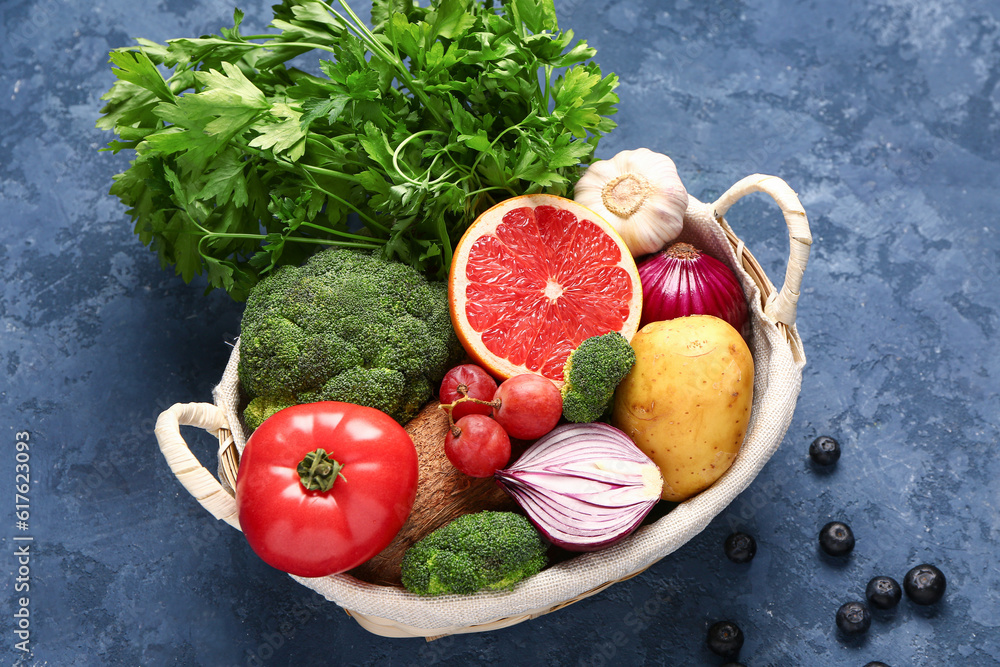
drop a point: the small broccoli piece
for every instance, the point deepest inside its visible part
(345, 326)
(482, 551)
(263, 407)
(591, 374)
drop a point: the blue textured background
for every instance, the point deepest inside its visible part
(883, 115)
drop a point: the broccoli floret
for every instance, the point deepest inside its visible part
(592, 372)
(482, 551)
(345, 326)
(263, 407)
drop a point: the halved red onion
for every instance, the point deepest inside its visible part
(584, 486)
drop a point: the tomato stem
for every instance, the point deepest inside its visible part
(317, 471)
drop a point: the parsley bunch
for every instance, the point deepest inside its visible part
(244, 161)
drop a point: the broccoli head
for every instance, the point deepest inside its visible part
(482, 551)
(345, 326)
(592, 373)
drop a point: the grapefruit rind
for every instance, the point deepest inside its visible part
(518, 286)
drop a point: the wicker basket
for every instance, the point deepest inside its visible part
(389, 611)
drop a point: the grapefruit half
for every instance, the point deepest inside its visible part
(535, 276)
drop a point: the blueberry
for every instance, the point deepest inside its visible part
(725, 639)
(854, 618)
(836, 538)
(924, 584)
(883, 592)
(733, 664)
(824, 451)
(875, 663)
(740, 547)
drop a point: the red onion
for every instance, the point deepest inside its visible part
(682, 280)
(584, 486)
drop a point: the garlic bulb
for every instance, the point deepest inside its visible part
(640, 194)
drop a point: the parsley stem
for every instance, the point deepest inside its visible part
(322, 47)
(339, 244)
(425, 182)
(296, 239)
(367, 242)
(357, 26)
(340, 138)
(347, 235)
(273, 43)
(370, 222)
(503, 188)
(547, 92)
(330, 172)
(445, 239)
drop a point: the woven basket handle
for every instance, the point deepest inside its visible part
(780, 307)
(199, 482)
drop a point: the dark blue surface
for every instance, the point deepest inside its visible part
(883, 115)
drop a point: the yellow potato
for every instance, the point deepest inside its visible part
(686, 402)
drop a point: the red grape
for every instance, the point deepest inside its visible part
(478, 384)
(530, 406)
(480, 448)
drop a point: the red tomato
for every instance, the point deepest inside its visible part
(314, 533)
